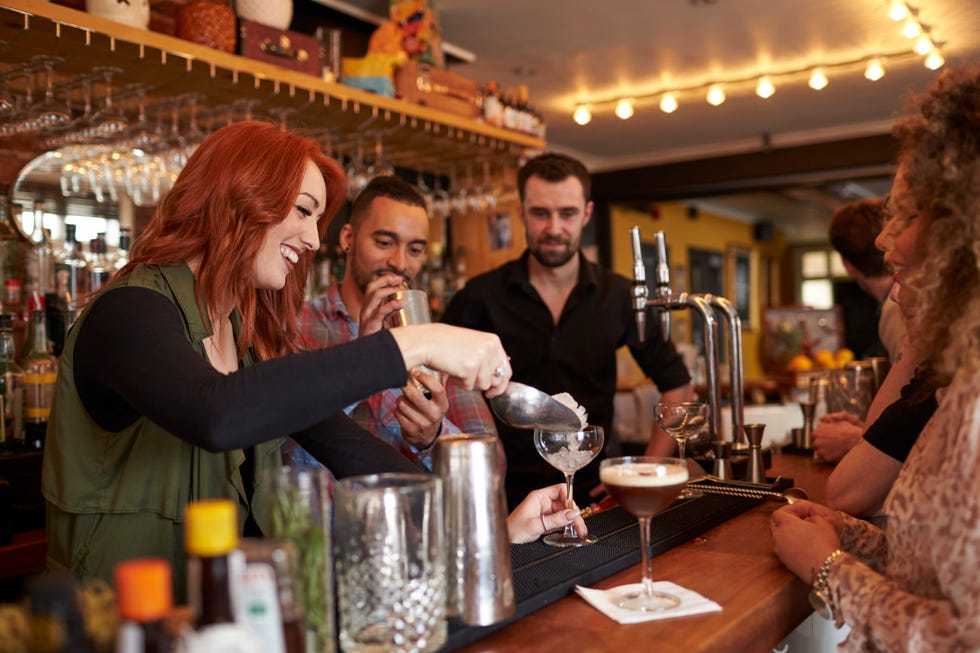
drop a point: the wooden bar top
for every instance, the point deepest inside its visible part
(732, 564)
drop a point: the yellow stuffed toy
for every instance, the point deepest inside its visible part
(412, 32)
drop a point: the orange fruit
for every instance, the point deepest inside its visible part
(800, 363)
(825, 359)
(844, 356)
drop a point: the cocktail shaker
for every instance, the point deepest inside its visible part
(415, 311)
(480, 585)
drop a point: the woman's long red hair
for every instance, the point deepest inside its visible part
(242, 180)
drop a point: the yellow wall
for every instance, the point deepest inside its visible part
(706, 232)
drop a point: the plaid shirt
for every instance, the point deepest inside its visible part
(324, 322)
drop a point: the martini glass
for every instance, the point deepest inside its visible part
(682, 420)
(568, 452)
(644, 486)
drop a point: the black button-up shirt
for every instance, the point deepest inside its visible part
(577, 355)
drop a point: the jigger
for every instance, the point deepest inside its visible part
(722, 467)
(753, 433)
(808, 408)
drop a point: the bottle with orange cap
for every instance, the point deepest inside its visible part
(144, 598)
(214, 565)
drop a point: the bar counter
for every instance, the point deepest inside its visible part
(731, 564)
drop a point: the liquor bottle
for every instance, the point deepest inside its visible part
(70, 275)
(14, 246)
(214, 565)
(39, 269)
(11, 395)
(144, 598)
(99, 270)
(38, 379)
(122, 252)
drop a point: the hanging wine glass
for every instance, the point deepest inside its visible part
(48, 114)
(108, 121)
(8, 103)
(358, 174)
(488, 191)
(458, 200)
(440, 199)
(380, 167)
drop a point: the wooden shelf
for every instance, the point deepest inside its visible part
(414, 136)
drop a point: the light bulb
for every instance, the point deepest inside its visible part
(624, 108)
(911, 28)
(923, 45)
(874, 71)
(935, 60)
(715, 95)
(582, 115)
(818, 80)
(765, 88)
(898, 11)
(668, 103)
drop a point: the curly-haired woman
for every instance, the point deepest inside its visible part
(179, 379)
(914, 585)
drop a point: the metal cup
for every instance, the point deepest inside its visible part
(480, 586)
(415, 311)
(880, 366)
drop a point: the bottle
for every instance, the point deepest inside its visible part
(271, 604)
(39, 271)
(493, 110)
(70, 275)
(98, 266)
(144, 598)
(122, 252)
(214, 565)
(11, 395)
(14, 246)
(38, 379)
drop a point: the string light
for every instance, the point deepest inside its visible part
(624, 109)
(765, 87)
(818, 79)
(874, 71)
(898, 11)
(764, 82)
(716, 95)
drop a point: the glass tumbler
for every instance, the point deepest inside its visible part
(299, 511)
(391, 563)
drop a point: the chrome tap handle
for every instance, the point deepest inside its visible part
(640, 290)
(662, 283)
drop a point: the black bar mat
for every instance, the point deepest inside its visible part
(543, 574)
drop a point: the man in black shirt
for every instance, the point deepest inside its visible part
(561, 319)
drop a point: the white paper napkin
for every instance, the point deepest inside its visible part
(691, 602)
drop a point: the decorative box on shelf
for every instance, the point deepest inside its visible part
(300, 52)
(440, 89)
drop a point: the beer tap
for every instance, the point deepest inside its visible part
(734, 363)
(665, 302)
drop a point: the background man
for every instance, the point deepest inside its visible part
(385, 242)
(561, 319)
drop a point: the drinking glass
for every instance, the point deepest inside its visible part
(109, 121)
(681, 420)
(568, 452)
(644, 486)
(391, 563)
(48, 113)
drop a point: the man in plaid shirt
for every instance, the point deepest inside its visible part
(386, 241)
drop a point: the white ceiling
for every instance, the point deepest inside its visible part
(572, 51)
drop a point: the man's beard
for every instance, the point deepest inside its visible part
(554, 258)
(363, 277)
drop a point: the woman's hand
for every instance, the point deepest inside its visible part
(803, 535)
(543, 511)
(476, 358)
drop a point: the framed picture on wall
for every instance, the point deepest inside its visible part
(740, 278)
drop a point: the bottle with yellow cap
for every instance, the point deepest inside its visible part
(144, 598)
(214, 569)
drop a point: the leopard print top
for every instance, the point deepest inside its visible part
(916, 586)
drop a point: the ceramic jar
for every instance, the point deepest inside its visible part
(208, 23)
(273, 13)
(135, 13)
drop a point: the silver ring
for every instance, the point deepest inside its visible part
(499, 372)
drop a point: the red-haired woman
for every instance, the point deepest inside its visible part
(179, 379)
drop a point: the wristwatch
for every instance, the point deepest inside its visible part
(821, 597)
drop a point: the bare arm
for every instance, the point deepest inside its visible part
(862, 480)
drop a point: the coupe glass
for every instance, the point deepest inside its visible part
(644, 486)
(681, 420)
(569, 451)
